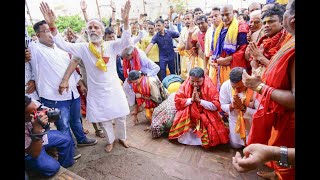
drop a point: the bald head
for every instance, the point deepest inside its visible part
(227, 15)
(254, 6)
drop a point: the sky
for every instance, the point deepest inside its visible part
(153, 8)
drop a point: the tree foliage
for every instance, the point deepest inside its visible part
(75, 22)
(30, 30)
(179, 6)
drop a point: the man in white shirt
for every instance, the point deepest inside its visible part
(239, 102)
(49, 64)
(106, 101)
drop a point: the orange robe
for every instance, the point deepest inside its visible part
(275, 124)
(206, 124)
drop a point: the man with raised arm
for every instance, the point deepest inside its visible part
(106, 101)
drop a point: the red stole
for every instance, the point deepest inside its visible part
(144, 89)
(136, 63)
(206, 124)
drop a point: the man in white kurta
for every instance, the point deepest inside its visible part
(226, 100)
(106, 100)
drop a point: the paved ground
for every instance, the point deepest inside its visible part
(154, 159)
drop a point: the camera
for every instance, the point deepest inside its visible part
(53, 114)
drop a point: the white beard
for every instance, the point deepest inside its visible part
(95, 38)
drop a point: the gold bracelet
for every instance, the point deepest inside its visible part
(260, 86)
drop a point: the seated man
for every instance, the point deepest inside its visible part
(239, 102)
(172, 83)
(149, 92)
(36, 158)
(197, 121)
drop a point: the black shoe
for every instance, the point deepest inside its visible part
(77, 154)
(88, 142)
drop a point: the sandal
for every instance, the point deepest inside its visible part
(100, 134)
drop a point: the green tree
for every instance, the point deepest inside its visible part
(179, 6)
(106, 21)
(74, 22)
(30, 30)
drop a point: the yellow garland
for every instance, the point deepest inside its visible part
(100, 62)
(240, 123)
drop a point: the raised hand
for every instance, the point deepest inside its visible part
(112, 5)
(125, 11)
(83, 5)
(47, 13)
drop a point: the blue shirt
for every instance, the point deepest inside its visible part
(166, 52)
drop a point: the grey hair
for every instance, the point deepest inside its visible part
(197, 72)
(134, 75)
(255, 13)
(236, 74)
(100, 23)
(127, 51)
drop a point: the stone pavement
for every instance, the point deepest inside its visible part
(157, 159)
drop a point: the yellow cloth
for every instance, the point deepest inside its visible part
(188, 58)
(224, 74)
(154, 52)
(149, 113)
(231, 36)
(282, 2)
(100, 62)
(199, 62)
(174, 87)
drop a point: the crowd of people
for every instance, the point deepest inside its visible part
(222, 77)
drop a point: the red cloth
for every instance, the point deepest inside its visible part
(83, 101)
(277, 121)
(238, 59)
(201, 39)
(136, 63)
(144, 89)
(212, 129)
(273, 44)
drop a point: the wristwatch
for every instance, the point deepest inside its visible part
(283, 156)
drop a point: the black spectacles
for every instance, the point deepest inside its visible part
(45, 31)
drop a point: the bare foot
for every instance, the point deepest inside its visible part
(124, 143)
(135, 119)
(109, 147)
(267, 175)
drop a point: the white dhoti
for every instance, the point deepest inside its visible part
(120, 128)
(131, 96)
